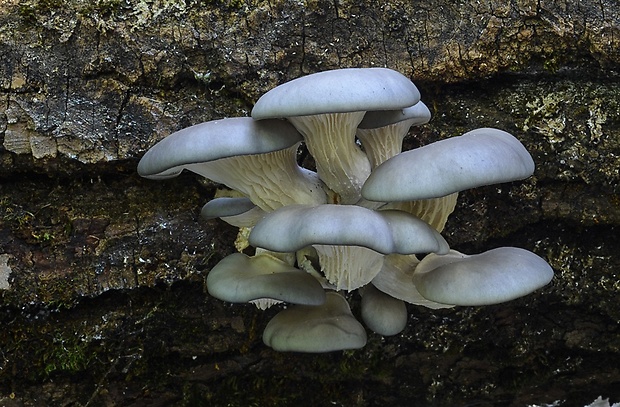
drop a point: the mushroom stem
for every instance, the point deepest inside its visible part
(270, 180)
(383, 143)
(340, 162)
(434, 211)
(348, 267)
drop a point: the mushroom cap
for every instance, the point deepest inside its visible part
(396, 279)
(418, 114)
(492, 277)
(383, 313)
(480, 157)
(315, 329)
(294, 227)
(239, 278)
(213, 140)
(239, 212)
(226, 206)
(338, 91)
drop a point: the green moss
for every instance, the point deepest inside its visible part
(101, 7)
(31, 9)
(67, 354)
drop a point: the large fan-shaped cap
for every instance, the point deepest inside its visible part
(257, 159)
(294, 227)
(338, 91)
(492, 277)
(480, 157)
(214, 140)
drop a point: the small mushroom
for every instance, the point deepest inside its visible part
(383, 313)
(382, 132)
(257, 159)
(326, 108)
(492, 277)
(238, 212)
(396, 280)
(480, 157)
(315, 329)
(239, 278)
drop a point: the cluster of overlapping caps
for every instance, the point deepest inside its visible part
(358, 221)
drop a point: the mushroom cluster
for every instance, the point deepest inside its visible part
(368, 219)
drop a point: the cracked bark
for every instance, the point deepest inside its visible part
(105, 303)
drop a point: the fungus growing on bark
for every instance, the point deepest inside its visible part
(350, 241)
(327, 107)
(239, 212)
(239, 278)
(383, 313)
(480, 157)
(255, 158)
(492, 277)
(382, 132)
(360, 219)
(316, 329)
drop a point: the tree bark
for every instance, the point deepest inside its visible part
(103, 299)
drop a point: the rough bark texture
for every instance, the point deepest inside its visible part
(102, 273)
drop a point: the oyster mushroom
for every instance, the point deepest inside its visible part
(383, 313)
(382, 132)
(255, 158)
(326, 107)
(350, 241)
(492, 277)
(239, 278)
(315, 329)
(480, 157)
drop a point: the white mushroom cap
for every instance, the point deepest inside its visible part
(326, 108)
(382, 132)
(396, 280)
(383, 313)
(294, 227)
(239, 278)
(226, 206)
(492, 277)
(480, 157)
(416, 115)
(338, 91)
(239, 212)
(315, 329)
(257, 159)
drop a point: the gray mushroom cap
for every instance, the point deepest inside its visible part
(480, 157)
(239, 278)
(214, 140)
(326, 107)
(338, 91)
(417, 114)
(257, 159)
(315, 329)
(239, 212)
(226, 206)
(294, 227)
(383, 313)
(396, 280)
(492, 277)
